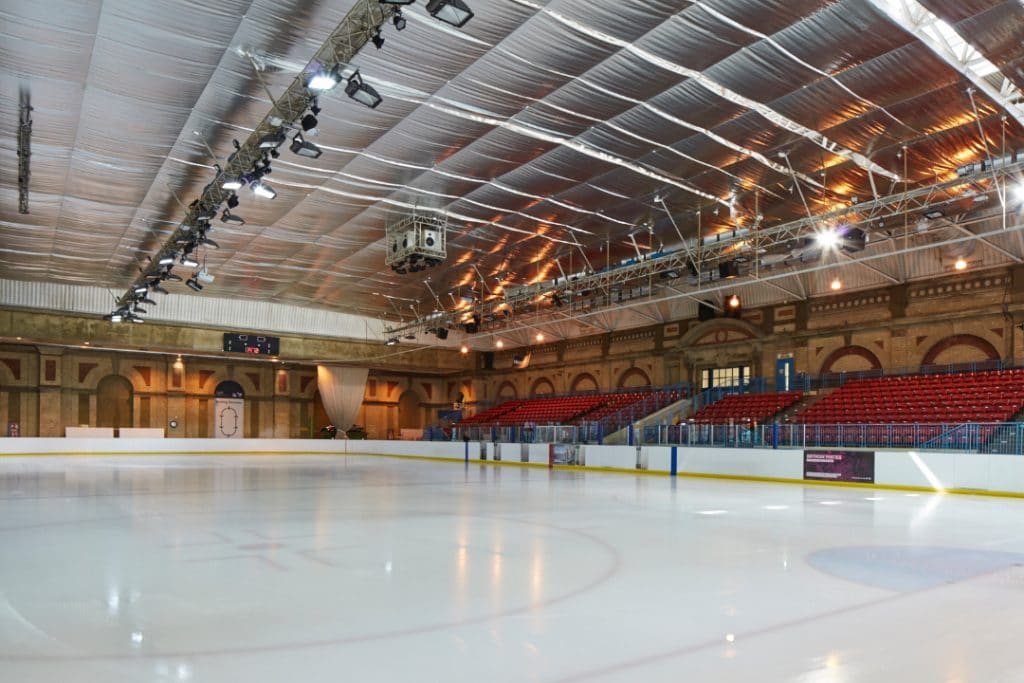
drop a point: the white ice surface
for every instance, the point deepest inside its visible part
(296, 569)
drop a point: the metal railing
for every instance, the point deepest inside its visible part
(1007, 438)
(1003, 438)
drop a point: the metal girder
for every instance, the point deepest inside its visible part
(24, 147)
(354, 31)
(942, 39)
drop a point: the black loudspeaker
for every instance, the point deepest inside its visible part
(488, 360)
(728, 270)
(855, 239)
(442, 333)
(705, 312)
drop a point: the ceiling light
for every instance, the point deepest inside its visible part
(361, 92)
(193, 284)
(464, 350)
(273, 140)
(734, 301)
(960, 264)
(166, 260)
(828, 238)
(454, 12)
(189, 261)
(377, 39)
(500, 344)
(113, 317)
(232, 184)
(933, 214)
(391, 342)
(261, 189)
(303, 148)
(398, 20)
(323, 80)
(309, 123)
(836, 285)
(229, 217)
(141, 289)
(540, 336)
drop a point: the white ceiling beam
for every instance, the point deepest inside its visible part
(954, 49)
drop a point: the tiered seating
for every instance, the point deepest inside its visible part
(559, 410)
(568, 409)
(747, 407)
(936, 399)
(492, 414)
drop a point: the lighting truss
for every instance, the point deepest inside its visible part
(24, 148)
(356, 29)
(635, 283)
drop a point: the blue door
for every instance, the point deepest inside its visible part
(784, 373)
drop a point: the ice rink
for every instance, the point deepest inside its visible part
(310, 569)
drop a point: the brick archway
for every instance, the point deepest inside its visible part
(542, 386)
(969, 340)
(858, 351)
(507, 390)
(586, 379)
(625, 379)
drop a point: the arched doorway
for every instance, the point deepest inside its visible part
(114, 399)
(409, 414)
(229, 410)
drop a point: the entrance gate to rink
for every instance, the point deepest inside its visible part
(1000, 438)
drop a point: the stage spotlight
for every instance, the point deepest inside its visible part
(323, 80)
(273, 140)
(377, 40)
(454, 12)
(229, 217)
(141, 289)
(464, 350)
(232, 184)
(398, 20)
(166, 260)
(261, 189)
(539, 337)
(828, 238)
(193, 284)
(189, 261)
(391, 342)
(960, 264)
(442, 333)
(301, 147)
(233, 201)
(309, 125)
(361, 92)
(734, 302)
(836, 285)
(499, 344)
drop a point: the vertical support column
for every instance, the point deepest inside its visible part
(674, 465)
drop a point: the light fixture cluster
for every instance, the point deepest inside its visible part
(294, 116)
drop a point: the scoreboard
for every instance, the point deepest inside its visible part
(257, 344)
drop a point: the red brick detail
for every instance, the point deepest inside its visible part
(960, 340)
(818, 350)
(254, 377)
(850, 351)
(177, 375)
(304, 382)
(391, 387)
(428, 389)
(50, 370)
(84, 369)
(880, 344)
(451, 389)
(371, 387)
(14, 365)
(282, 382)
(921, 339)
(144, 372)
(204, 375)
(998, 331)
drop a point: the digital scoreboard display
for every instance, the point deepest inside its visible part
(258, 344)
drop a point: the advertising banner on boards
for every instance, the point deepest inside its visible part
(839, 465)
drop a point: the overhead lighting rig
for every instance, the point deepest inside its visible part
(416, 242)
(250, 161)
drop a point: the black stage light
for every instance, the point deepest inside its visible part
(233, 201)
(377, 40)
(454, 12)
(272, 140)
(303, 148)
(193, 284)
(398, 20)
(361, 92)
(396, 2)
(309, 124)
